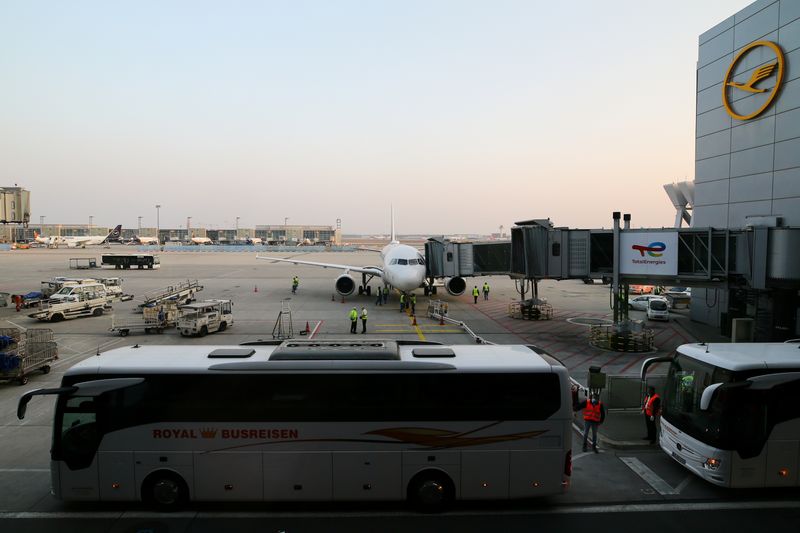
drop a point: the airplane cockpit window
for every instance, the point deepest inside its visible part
(412, 261)
(393, 262)
(420, 260)
(402, 261)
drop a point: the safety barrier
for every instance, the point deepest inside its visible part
(618, 339)
(530, 311)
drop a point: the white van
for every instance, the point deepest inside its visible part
(79, 293)
(657, 309)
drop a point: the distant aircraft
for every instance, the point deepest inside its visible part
(201, 240)
(403, 268)
(146, 240)
(41, 239)
(254, 240)
(82, 242)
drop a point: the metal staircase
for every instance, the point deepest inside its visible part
(283, 325)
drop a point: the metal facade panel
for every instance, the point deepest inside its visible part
(753, 27)
(713, 121)
(711, 192)
(753, 133)
(788, 209)
(715, 48)
(578, 253)
(716, 30)
(713, 73)
(738, 212)
(752, 161)
(713, 216)
(787, 125)
(789, 97)
(789, 36)
(787, 154)
(713, 168)
(713, 145)
(710, 98)
(752, 9)
(790, 10)
(786, 183)
(749, 188)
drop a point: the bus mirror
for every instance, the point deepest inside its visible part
(708, 396)
(22, 406)
(652, 361)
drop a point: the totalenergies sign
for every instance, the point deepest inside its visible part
(749, 98)
(649, 253)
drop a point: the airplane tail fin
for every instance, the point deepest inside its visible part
(114, 234)
(393, 237)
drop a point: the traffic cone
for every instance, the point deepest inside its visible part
(308, 329)
(414, 323)
(256, 289)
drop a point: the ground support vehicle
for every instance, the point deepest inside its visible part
(82, 263)
(55, 312)
(202, 318)
(127, 261)
(23, 352)
(729, 412)
(301, 421)
(155, 319)
(32, 299)
(181, 293)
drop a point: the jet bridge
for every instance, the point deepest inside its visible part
(455, 260)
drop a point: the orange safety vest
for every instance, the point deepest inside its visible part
(648, 407)
(591, 412)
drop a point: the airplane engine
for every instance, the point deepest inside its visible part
(345, 285)
(455, 286)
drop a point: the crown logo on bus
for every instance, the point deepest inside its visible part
(208, 433)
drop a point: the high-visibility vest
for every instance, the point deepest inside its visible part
(475, 291)
(402, 298)
(591, 412)
(363, 314)
(413, 298)
(353, 315)
(485, 287)
(648, 406)
(386, 290)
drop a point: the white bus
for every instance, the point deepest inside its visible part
(312, 421)
(728, 412)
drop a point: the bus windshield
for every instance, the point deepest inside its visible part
(686, 381)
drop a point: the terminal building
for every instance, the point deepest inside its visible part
(747, 156)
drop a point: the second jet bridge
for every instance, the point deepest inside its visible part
(455, 260)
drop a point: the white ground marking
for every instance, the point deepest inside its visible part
(652, 479)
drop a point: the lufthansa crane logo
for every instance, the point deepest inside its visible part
(756, 84)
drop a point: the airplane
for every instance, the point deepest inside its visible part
(201, 240)
(84, 241)
(146, 240)
(254, 240)
(403, 268)
(41, 239)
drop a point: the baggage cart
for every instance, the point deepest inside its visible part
(23, 352)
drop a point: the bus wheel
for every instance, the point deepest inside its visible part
(167, 491)
(203, 331)
(98, 312)
(431, 491)
(223, 326)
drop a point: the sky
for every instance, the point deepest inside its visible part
(464, 115)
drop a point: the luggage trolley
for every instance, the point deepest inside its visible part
(24, 351)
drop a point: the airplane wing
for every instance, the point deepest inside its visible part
(375, 271)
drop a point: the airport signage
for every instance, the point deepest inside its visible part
(755, 91)
(649, 253)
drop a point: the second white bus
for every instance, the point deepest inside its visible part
(312, 421)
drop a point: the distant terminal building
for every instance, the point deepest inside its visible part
(298, 234)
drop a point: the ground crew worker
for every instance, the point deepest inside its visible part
(161, 316)
(651, 408)
(295, 283)
(402, 301)
(413, 300)
(363, 320)
(475, 293)
(385, 294)
(594, 414)
(485, 290)
(379, 301)
(353, 320)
